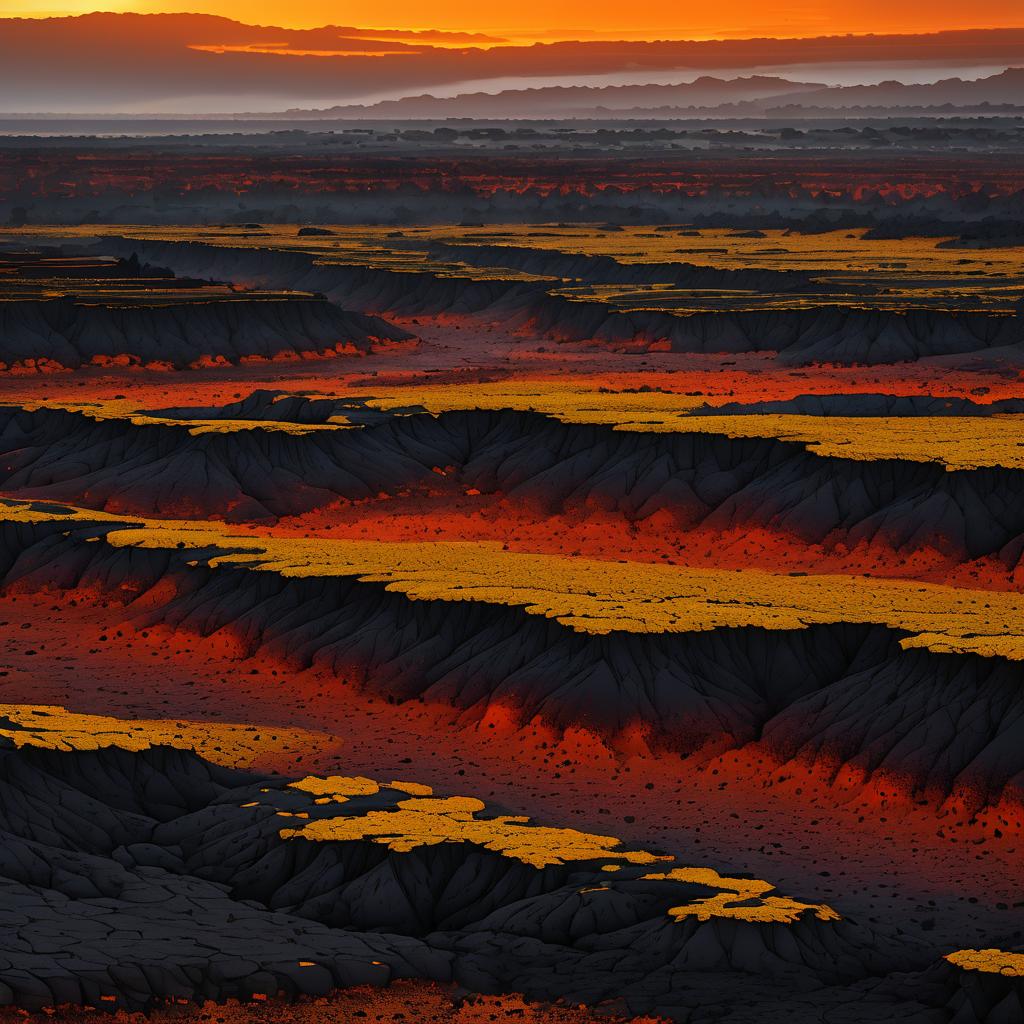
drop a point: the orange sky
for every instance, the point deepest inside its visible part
(534, 19)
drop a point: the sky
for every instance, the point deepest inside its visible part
(262, 55)
(528, 20)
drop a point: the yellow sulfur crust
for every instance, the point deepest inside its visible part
(989, 961)
(735, 899)
(595, 596)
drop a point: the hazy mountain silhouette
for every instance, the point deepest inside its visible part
(750, 95)
(191, 62)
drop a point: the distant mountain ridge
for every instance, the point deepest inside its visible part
(745, 96)
(560, 100)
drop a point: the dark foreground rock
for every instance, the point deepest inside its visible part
(72, 334)
(133, 877)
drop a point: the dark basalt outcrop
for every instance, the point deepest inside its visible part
(982, 996)
(846, 694)
(816, 334)
(131, 878)
(800, 335)
(93, 908)
(606, 270)
(71, 334)
(706, 480)
(281, 406)
(272, 406)
(134, 878)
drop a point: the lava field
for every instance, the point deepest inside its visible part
(551, 621)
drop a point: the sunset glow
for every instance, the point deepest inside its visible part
(531, 21)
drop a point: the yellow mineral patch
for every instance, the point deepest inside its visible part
(844, 251)
(597, 596)
(600, 597)
(741, 899)
(45, 512)
(348, 246)
(339, 787)
(124, 409)
(957, 442)
(55, 728)
(919, 264)
(420, 822)
(412, 788)
(568, 402)
(197, 427)
(447, 805)
(430, 821)
(989, 961)
(423, 820)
